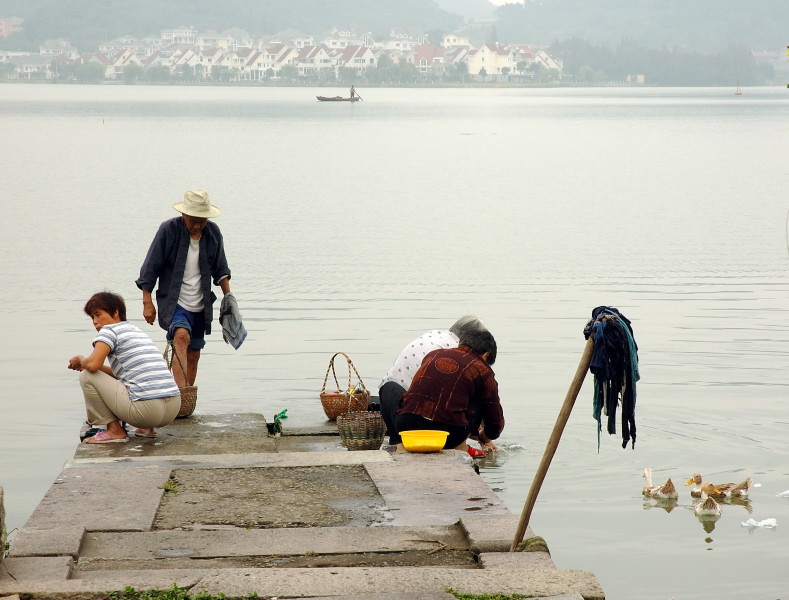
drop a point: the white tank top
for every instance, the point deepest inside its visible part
(191, 296)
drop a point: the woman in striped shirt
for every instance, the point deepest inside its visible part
(136, 386)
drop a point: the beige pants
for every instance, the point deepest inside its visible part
(107, 400)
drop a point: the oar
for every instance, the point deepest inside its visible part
(358, 96)
(553, 442)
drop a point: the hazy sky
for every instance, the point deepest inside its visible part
(500, 2)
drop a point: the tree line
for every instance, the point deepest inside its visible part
(696, 26)
(705, 42)
(588, 63)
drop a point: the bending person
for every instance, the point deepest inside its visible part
(136, 386)
(455, 390)
(398, 379)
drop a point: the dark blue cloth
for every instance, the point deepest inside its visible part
(614, 365)
(166, 261)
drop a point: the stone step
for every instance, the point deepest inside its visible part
(204, 544)
(343, 581)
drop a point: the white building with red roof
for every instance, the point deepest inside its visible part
(490, 57)
(359, 58)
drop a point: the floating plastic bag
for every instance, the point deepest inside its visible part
(770, 523)
(783, 494)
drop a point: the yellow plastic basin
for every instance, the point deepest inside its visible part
(424, 440)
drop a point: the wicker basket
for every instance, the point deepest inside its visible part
(341, 402)
(188, 401)
(188, 392)
(361, 430)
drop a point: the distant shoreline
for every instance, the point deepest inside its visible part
(258, 84)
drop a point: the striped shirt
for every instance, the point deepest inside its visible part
(137, 362)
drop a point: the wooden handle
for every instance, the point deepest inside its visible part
(333, 372)
(553, 442)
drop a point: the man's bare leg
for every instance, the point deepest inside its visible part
(192, 358)
(180, 348)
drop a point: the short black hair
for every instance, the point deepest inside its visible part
(480, 342)
(108, 302)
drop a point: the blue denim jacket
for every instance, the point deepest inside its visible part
(166, 261)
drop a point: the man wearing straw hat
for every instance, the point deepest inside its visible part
(185, 255)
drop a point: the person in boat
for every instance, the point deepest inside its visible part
(455, 390)
(353, 92)
(186, 253)
(136, 386)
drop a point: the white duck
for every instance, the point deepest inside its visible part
(660, 492)
(724, 490)
(706, 506)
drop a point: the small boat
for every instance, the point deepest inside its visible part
(336, 99)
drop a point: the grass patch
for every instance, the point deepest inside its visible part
(170, 486)
(173, 593)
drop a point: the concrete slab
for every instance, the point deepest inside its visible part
(329, 428)
(341, 581)
(198, 434)
(96, 589)
(516, 560)
(52, 568)
(290, 459)
(56, 541)
(309, 443)
(89, 498)
(433, 489)
(301, 583)
(202, 544)
(314, 496)
(490, 532)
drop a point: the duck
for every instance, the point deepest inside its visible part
(724, 490)
(660, 492)
(706, 505)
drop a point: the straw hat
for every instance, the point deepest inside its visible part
(197, 204)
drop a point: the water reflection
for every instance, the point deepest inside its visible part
(708, 523)
(667, 504)
(744, 502)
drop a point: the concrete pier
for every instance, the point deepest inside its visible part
(216, 505)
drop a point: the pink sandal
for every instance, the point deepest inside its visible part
(102, 437)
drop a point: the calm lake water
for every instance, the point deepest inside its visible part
(358, 227)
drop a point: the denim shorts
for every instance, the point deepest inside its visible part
(193, 322)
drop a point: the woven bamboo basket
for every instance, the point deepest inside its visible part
(340, 402)
(188, 401)
(361, 430)
(188, 392)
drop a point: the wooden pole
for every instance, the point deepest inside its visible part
(553, 442)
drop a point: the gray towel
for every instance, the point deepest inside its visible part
(233, 330)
